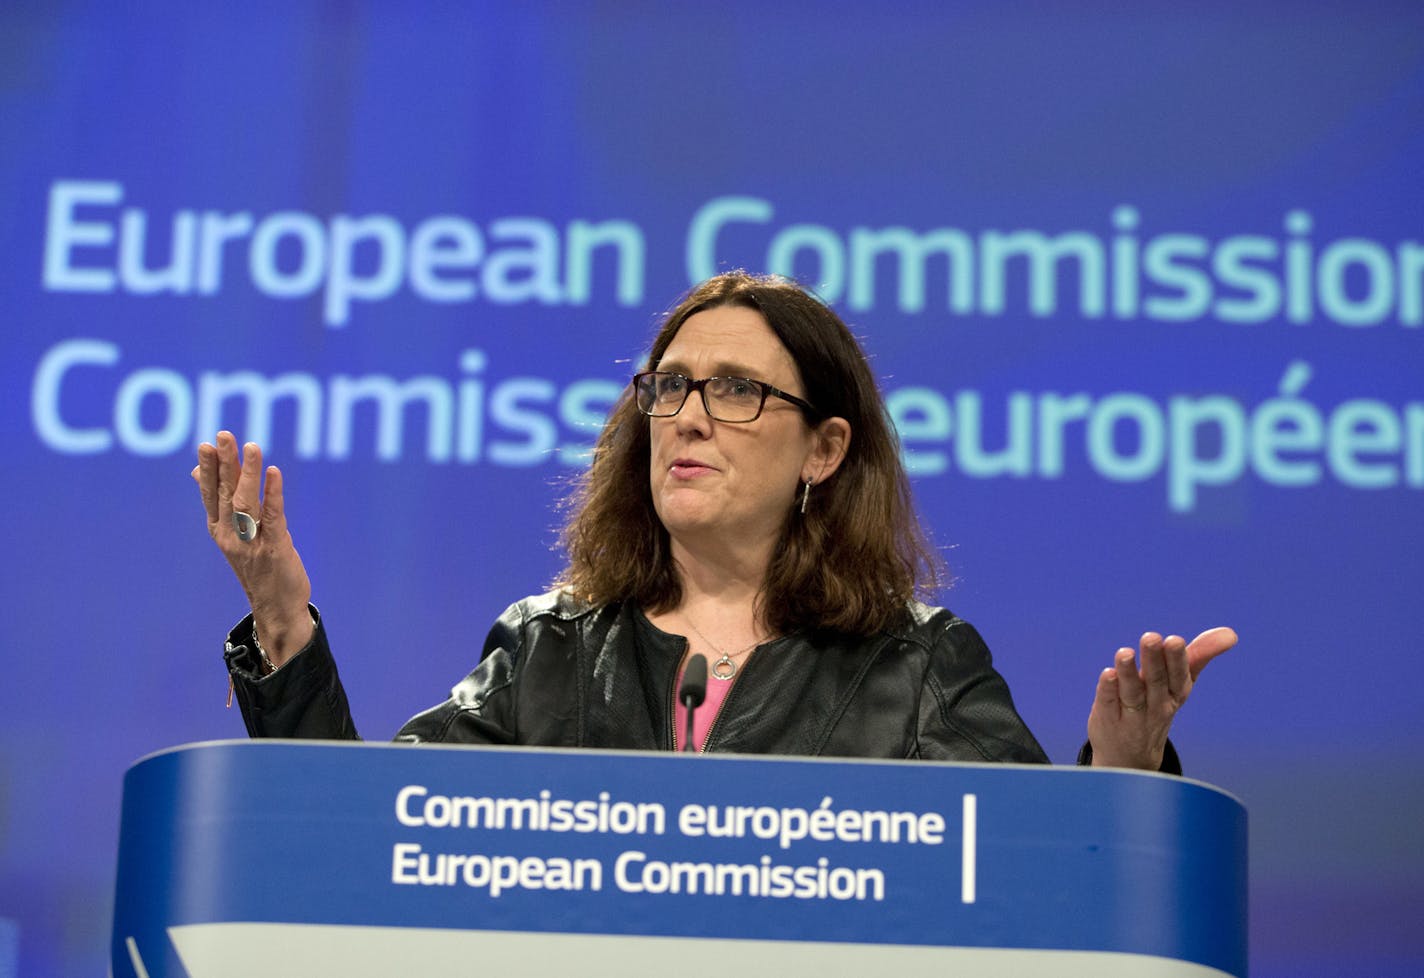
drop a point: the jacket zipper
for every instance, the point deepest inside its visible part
(721, 707)
(672, 693)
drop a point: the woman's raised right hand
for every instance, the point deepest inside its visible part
(267, 566)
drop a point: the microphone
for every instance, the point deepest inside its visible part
(692, 691)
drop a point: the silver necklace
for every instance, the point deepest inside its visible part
(724, 668)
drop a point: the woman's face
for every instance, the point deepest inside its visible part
(730, 484)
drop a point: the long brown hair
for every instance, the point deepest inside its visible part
(849, 564)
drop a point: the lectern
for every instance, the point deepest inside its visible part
(283, 858)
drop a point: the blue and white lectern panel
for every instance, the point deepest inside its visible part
(279, 858)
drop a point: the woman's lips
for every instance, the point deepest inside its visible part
(687, 468)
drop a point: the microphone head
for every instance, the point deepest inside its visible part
(694, 682)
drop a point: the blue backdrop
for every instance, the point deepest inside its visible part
(1143, 288)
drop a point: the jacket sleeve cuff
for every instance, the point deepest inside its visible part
(1171, 763)
(304, 698)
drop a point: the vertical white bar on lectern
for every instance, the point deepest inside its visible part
(134, 958)
(971, 830)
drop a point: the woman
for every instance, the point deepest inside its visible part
(746, 502)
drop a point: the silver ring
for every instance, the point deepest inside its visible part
(245, 526)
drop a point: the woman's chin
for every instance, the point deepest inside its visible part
(681, 524)
(689, 516)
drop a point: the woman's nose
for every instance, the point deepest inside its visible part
(693, 416)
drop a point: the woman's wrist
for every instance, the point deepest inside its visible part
(277, 643)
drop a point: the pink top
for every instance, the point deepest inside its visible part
(702, 720)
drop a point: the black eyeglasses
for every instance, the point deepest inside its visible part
(735, 400)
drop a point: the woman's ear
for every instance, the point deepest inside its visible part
(831, 441)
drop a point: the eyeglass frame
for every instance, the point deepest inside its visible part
(700, 386)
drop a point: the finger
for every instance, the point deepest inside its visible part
(1154, 669)
(1131, 691)
(1207, 646)
(228, 471)
(1105, 697)
(274, 518)
(1179, 678)
(206, 475)
(247, 496)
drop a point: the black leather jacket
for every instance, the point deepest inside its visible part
(559, 674)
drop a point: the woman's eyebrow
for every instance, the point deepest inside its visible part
(723, 368)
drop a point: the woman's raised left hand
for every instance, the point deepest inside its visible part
(1137, 701)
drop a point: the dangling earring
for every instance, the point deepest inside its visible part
(805, 495)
